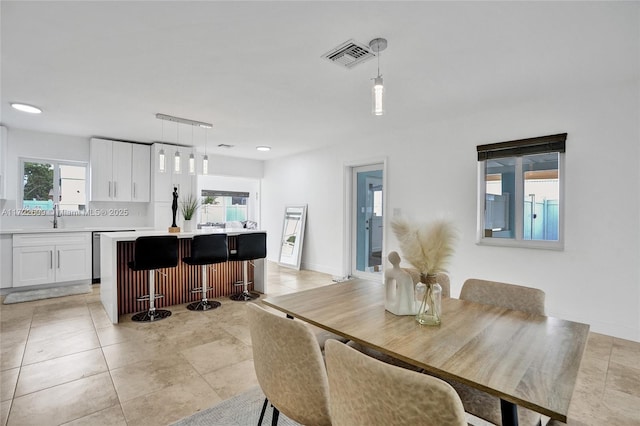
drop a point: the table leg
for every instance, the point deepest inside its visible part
(509, 413)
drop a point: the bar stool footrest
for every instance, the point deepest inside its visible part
(203, 305)
(244, 296)
(145, 298)
(150, 316)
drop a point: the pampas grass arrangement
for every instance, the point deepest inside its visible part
(427, 247)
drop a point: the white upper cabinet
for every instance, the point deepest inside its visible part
(119, 171)
(140, 173)
(3, 162)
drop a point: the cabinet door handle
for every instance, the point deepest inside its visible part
(115, 189)
(50, 259)
(109, 189)
(58, 259)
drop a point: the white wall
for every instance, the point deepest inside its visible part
(432, 174)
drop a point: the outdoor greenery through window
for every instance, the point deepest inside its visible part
(520, 192)
(45, 183)
(223, 206)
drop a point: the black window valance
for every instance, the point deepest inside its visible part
(520, 147)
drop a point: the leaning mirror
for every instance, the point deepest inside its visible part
(292, 236)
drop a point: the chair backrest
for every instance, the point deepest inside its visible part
(441, 278)
(510, 296)
(365, 391)
(207, 249)
(155, 252)
(251, 246)
(289, 366)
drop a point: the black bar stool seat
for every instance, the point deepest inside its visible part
(248, 247)
(206, 250)
(150, 254)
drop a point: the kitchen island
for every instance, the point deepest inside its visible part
(120, 286)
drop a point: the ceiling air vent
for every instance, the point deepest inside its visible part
(349, 54)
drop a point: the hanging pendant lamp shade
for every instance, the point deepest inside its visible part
(378, 45)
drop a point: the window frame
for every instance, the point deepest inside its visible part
(518, 149)
(56, 178)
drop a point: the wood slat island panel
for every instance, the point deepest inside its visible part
(174, 283)
(120, 286)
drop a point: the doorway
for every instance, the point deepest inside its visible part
(367, 223)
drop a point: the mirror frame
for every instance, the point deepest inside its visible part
(299, 240)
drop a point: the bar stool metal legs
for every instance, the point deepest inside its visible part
(152, 314)
(245, 295)
(203, 304)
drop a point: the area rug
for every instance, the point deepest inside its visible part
(46, 293)
(241, 410)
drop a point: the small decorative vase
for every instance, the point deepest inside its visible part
(188, 225)
(429, 295)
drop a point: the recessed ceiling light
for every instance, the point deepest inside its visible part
(26, 108)
(263, 148)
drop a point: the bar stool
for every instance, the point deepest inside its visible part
(150, 254)
(248, 247)
(206, 250)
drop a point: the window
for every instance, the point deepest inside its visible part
(223, 206)
(520, 196)
(47, 182)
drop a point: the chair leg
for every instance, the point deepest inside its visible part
(245, 295)
(274, 419)
(264, 408)
(152, 314)
(203, 304)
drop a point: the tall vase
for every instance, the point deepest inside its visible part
(188, 225)
(429, 311)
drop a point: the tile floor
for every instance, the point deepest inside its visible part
(63, 362)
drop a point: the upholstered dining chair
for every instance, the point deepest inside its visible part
(366, 391)
(519, 298)
(289, 367)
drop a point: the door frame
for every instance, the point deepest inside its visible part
(348, 217)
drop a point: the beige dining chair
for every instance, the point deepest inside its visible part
(525, 299)
(366, 391)
(289, 367)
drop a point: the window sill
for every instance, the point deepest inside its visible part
(529, 244)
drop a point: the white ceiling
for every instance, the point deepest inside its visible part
(254, 69)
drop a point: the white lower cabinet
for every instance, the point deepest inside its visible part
(51, 258)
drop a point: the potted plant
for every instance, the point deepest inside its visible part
(188, 206)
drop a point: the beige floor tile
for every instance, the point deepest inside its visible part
(60, 327)
(619, 409)
(8, 380)
(112, 416)
(170, 404)
(99, 315)
(141, 378)
(623, 378)
(217, 354)
(42, 375)
(233, 379)
(5, 406)
(13, 323)
(626, 352)
(60, 345)
(12, 348)
(130, 352)
(64, 403)
(114, 333)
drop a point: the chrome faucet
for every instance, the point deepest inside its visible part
(55, 215)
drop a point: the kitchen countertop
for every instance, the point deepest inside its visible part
(131, 236)
(85, 229)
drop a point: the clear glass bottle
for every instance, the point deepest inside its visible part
(429, 312)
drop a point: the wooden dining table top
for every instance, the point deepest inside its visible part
(526, 359)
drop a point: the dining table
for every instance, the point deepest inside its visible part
(524, 359)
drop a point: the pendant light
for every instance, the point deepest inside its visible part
(205, 159)
(192, 158)
(378, 45)
(176, 157)
(162, 161)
